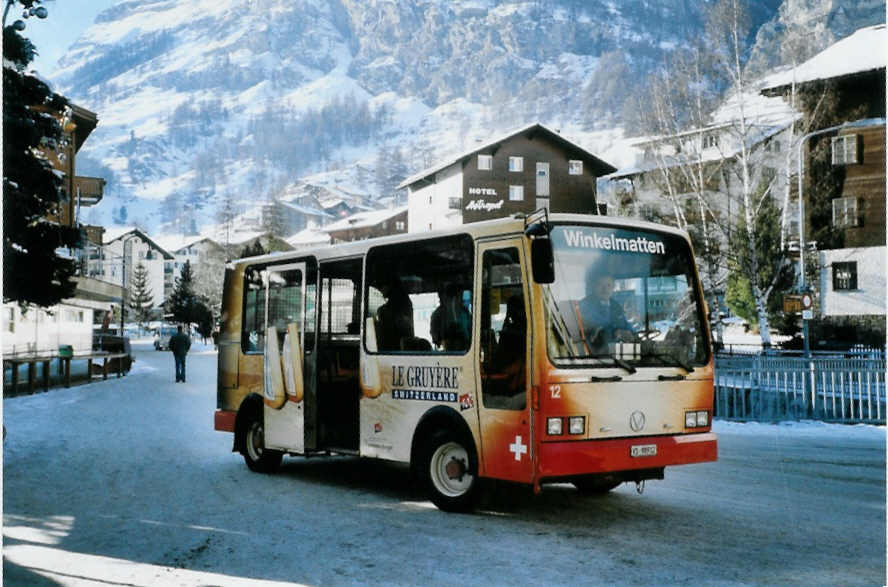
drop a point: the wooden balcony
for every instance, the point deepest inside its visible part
(90, 190)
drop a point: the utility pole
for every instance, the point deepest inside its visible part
(126, 243)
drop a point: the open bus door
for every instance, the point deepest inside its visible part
(285, 358)
(504, 374)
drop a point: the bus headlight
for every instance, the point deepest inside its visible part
(576, 424)
(697, 419)
(554, 426)
(702, 419)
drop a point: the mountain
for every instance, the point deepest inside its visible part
(225, 100)
(809, 26)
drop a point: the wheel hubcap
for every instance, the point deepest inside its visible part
(449, 470)
(255, 440)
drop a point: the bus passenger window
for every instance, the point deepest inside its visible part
(504, 331)
(285, 302)
(394, 318)
(451, 322)
(419, 295)
(253, 324)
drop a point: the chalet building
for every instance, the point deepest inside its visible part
(525, 170)
(77, 191)
(289, 218)
(656, 187)
(32, 330)
(850, 282)
(364, 225)
(116, 261)
(203, 254)
(338, 208)
(204, 250)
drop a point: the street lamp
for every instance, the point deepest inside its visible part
(30, 10)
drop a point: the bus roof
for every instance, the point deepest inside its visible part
(513, 225)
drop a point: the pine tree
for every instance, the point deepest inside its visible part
(204, 319)
(141, 298)
(34, 272)
(254, 250)
(183, 301)
(225, 216)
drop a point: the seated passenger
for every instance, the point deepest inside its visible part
(394, 318)
(451, 323)
(509, 357)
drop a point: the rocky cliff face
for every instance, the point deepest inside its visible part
(210, 98)
(801, 28)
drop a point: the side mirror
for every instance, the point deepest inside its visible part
(542, 260)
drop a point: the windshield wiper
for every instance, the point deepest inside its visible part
(624, 365)
(616, 361)
(673, 360)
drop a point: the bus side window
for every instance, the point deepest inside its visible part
(253, 323)
(419, 295)
(504, 319)
(285, 301)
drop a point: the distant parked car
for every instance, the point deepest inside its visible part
(162, 338)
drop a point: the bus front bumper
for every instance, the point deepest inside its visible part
(223, 420)
(584, 457)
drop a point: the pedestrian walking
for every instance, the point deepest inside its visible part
(179, 344)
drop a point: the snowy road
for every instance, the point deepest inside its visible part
(124, 482)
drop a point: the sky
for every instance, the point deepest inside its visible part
(66, 21)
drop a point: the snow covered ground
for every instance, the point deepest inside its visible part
(125, 482)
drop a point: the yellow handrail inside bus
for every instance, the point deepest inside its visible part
(274, 390)
(293, 363)
(371, 386)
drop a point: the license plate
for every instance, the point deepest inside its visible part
(643, 450)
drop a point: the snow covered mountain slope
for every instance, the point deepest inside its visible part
(212, 100)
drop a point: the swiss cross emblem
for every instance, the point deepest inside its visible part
(518, 448)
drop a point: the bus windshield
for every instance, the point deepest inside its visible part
(623, 297)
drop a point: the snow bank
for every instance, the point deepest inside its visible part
(804, 428)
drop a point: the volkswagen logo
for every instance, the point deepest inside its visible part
(636, 421)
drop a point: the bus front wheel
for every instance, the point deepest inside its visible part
(450, 472)
(257, 457)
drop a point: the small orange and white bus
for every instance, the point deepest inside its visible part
(547, 348)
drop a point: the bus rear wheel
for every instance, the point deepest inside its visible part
(257, 457)
(450, 472)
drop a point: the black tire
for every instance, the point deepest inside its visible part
(252, 443)
(596, 485)
(449, 470)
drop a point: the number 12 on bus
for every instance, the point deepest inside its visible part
(540, 349)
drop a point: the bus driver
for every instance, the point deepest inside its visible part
(601, 320)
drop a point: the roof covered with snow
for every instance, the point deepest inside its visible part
(309, 236)
(365, 219)
(307, 210)
(864, 50)
(118, 234)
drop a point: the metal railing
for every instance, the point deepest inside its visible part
(832, 387)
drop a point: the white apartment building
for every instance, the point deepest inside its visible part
(117, 260)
